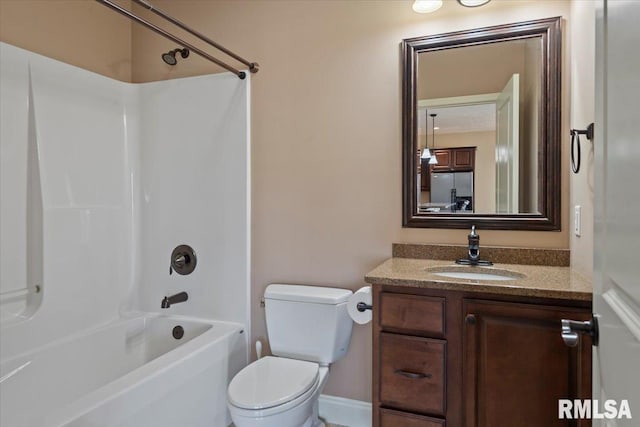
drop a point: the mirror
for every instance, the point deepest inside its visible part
(481, 128)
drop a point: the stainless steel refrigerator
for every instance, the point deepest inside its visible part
(453, 188)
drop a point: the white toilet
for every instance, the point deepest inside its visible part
(309, 328)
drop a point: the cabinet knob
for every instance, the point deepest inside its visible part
(471, 319)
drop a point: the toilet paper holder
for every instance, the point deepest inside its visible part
(362, 307)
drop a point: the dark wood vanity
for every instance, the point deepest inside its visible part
(448, 355)
(462, 352)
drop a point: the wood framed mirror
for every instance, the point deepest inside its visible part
(481, 128)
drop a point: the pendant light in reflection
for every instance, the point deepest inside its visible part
(433, 160)
(426, 153)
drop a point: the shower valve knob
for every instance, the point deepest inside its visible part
(180, 261)
(183, 260)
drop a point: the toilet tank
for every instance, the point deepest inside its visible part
(308, 322)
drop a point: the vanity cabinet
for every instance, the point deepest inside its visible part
(452, 358)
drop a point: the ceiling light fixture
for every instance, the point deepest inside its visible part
(426, 6)
(473, 3)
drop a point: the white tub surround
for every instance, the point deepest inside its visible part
(99, 181)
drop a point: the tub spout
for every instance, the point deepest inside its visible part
(174, 299)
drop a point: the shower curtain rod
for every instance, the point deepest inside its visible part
(253, 67)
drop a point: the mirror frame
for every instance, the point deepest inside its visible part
(549, 126)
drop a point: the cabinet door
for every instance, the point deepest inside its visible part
(425, 175)
(463, 159)
(444, 160)
(516, 366)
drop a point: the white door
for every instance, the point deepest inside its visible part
(617, 249)
(507, 146)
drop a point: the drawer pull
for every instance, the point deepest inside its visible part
(413, 375)
(471, 319)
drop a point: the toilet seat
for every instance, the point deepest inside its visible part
(271, 382)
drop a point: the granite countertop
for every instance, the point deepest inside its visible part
(538, 281)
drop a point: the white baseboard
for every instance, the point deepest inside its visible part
(345, 412)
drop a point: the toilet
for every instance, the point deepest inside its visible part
(309, 328)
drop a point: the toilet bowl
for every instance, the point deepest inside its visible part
(277, 392)
(308, 328)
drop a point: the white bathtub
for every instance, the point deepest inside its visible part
(131, 372)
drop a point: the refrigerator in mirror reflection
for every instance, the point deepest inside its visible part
(452, 190)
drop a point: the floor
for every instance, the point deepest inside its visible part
(326, 425)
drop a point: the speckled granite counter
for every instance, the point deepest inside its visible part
(538, 281)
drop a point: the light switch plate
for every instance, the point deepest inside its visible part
(576, 220)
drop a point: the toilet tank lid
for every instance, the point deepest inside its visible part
(305, 293)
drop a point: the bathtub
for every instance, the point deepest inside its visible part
(132, 372)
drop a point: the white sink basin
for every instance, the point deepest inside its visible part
(475, 273)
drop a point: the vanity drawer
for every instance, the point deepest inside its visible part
(412, 313)
(412, 373)
(390, 418)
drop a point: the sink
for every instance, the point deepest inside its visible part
(475, 273)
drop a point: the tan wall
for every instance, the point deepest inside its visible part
(484, 174)
(326, 125)
(472, 70)
(582, 113)
(78, 32)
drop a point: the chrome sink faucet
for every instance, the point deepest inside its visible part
(474, 245)
(174, 299)
(473, 256)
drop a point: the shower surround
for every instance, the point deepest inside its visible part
(99, 181)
